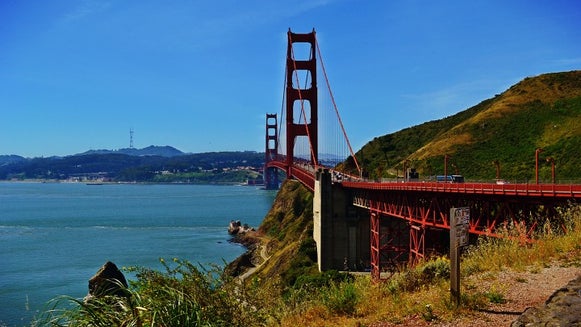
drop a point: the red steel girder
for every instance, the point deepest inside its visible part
(491, 215)
(375, 226)
(417, 244)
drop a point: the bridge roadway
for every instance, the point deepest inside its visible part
(569, 191)
(305, 173)
(421, 212)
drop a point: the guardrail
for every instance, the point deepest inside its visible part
(539, 190)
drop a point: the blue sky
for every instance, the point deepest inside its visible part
(201, 75)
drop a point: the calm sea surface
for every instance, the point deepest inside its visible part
(54, 237)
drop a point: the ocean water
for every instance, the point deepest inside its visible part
(55, 236)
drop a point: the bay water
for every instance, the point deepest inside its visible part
(55, 236)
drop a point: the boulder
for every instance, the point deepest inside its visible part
(109, 280)
(563, 308)
(236, 228)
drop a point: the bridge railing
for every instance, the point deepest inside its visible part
(304, 171)
(540, 190)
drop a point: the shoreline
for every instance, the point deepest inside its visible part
(62, 181)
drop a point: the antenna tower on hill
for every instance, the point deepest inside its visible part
(131, 138)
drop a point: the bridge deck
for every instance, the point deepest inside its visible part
(519, 190)
(305, 174)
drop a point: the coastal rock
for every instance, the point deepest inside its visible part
(563, 308)
(236, 228)
(109, 280)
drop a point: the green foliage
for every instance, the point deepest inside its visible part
(291, 214)
(340, 298)
(322, 279)
(426, 273)
(182, 295)
(495, 297)
(429, 314)
(105, 311)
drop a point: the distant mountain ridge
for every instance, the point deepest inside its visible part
(152, 150)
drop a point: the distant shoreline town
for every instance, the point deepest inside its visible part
(160, 165)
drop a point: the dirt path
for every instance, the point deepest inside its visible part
(264, 257)
(520, 291)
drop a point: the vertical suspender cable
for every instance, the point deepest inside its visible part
(335, 106)
(279, 133)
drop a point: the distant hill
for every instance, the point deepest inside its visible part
(538, 112)
(152, 164)
(152, 150)
(9, 159)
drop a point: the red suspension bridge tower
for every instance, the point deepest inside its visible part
(271, 152)
(301, 98)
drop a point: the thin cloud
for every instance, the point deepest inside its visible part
(568, 61)
(86, 8)
(454, 98)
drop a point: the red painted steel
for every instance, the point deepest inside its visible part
(271, 151)
(417, 243)
(308, 128)
(375, 225)
(572, 191)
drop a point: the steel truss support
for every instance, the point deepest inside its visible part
(427, 217)
(389, 243)
(375, 246)
(417, 244)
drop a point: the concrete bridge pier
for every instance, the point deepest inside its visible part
(341, 233)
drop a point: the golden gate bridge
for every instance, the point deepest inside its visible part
(370, 224)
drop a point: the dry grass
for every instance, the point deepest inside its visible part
(501, 275)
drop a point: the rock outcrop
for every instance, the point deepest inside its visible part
(236, 228)
(109, 280)
(563, 308)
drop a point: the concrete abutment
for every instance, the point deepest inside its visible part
(341, 232)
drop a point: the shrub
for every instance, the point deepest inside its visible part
(340, 298)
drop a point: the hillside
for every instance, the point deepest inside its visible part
(283, 247)
(538, 112)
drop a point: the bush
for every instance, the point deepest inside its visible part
(340, 298)
(322, 279)
(423, 274)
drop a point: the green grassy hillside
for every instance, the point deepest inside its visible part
(538, 112)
